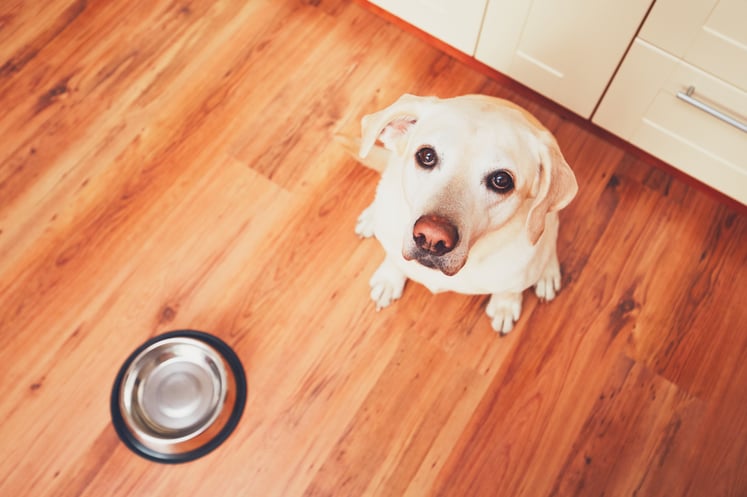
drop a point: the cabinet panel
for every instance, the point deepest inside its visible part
(709, 34)
(567, 50)
(455, 23)
(642, 106)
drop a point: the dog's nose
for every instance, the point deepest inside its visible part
(435, 234)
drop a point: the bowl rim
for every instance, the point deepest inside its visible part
(235, 368)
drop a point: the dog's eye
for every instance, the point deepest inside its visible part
(426, 157)
(501, 181)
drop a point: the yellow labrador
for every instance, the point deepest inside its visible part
(467, 200)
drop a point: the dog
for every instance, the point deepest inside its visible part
(467, 202)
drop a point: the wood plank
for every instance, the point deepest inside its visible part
(625, 446)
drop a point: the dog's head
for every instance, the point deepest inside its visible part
(469, 166)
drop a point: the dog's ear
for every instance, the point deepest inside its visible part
(391, 125)
(554, 188)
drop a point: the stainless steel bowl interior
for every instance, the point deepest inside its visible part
(173, 392)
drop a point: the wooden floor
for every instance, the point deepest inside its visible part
(170, 164)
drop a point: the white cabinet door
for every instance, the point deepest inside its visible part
(566, 50)
(456, 23)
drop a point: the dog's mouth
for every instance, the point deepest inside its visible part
(448, 265)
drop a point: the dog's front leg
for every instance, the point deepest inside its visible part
(549, 283)
(387, 284)
(503, 310)
(364, 227)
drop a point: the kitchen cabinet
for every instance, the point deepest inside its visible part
(681, 91)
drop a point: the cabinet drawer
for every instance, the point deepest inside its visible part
(455, 23)
(709, 34)
(641, 106)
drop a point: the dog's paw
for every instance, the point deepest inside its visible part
(364, 227)
(387, 284)
(504, 310)
(548, 285)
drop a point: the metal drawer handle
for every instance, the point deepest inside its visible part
(688, 97)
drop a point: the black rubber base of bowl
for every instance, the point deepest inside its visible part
(240, 377)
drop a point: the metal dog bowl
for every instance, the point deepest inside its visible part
(178, 396)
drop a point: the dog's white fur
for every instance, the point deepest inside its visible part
(506, 241)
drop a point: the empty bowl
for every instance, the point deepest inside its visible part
(178, 396)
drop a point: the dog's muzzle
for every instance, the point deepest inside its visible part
(434, 238)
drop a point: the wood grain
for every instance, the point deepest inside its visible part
(173, 165)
